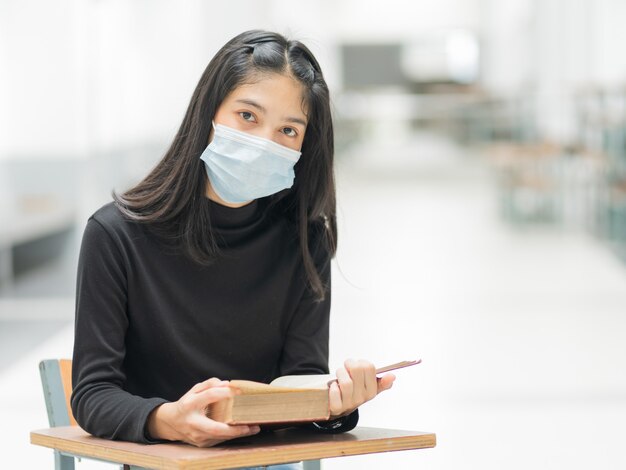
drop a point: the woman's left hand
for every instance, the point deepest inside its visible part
(356, 384)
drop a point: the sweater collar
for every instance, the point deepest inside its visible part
(233, 217)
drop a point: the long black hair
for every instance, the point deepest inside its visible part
(173, 195)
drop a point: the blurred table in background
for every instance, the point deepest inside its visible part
(29, 220)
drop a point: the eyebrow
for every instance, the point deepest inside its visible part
(256, 105)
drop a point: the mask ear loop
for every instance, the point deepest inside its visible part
(212, 133)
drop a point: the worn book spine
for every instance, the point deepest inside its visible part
(264, 408)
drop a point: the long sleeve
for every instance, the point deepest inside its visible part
(99, 402)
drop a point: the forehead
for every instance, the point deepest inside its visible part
(277, 93)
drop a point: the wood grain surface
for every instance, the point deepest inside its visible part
(290, 445)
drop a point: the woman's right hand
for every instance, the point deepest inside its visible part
(185, 419)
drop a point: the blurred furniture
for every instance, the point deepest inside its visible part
(601, 118)
(31, 221)
(284, 446)
(544, 182)
(579, 183)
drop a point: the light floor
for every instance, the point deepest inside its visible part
(522, 333)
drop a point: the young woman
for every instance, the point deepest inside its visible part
(217, 265)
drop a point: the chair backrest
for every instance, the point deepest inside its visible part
(56, 380)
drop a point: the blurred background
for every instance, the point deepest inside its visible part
(481, 171)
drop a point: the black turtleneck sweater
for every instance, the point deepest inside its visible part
(151, 323)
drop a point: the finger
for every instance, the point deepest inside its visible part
(346, 387)
(228, 431)
(385, 382)
(210, 395)
(357, 373)
(371, 384)
(199, 434)
(215, 382)
(215, 429)
(334, 399)
(212, 382)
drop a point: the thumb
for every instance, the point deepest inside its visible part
(385, 382)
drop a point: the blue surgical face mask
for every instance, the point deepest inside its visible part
(242, 167)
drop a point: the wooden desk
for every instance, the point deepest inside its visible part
(278, 447)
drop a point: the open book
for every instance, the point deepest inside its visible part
(287, 399)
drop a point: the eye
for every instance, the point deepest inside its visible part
(247, 116)
(290, 131)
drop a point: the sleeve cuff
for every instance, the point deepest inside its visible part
(339, 425)
(147, 438)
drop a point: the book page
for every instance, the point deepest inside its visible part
(304, 381)
(324, 380)
(250, 387)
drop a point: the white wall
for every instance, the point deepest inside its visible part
(369, 21)
(550, 49)
(148, 57)
(78, 77)
(507, 39)
(38, 78)
(608, 62)
(84, 75)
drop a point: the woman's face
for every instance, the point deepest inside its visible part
(271, 107)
